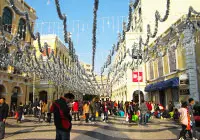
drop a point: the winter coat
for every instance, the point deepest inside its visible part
(75, 107)
(62, 117)
(86, 108)
(3, 111)
(143, 108)
(183, 116)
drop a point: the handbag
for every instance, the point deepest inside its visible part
(127, 119)
(135, 118)
(97, 114)
(102, 116)
(108, 112)
(22, 117)
(16, 115)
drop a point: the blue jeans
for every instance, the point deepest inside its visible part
(62, 135)
(105, 115)
(143, 118)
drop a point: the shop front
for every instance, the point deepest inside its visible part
(163, 92)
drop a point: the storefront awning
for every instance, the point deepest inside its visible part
(171, 83)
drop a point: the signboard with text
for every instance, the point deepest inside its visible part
(137, 76)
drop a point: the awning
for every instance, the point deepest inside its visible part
(171, 83)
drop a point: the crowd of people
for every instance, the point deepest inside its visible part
(65, 110)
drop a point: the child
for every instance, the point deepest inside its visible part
(185, 121)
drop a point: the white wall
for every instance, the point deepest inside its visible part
(178, 8)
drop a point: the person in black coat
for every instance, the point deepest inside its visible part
(62, 117)
(3, 115)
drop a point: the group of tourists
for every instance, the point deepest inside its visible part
(64, 108)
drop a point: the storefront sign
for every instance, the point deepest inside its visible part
(137, 76)
(184, 91)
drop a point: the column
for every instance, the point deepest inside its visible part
(189, 45)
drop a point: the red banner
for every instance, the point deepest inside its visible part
(137, 76)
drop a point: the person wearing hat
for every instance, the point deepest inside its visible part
(3, 115)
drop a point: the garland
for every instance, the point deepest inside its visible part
(96, 5)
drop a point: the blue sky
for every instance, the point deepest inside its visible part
(111, 13)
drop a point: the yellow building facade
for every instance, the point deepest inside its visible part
(144, 14)
(45, 90)
(168, 78)
(13, 86)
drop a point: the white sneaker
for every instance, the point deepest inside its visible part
(194, 138)
(181, 138)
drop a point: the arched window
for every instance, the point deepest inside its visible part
(22, 29)
(7, 19)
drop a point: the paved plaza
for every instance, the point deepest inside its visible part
(115, 129)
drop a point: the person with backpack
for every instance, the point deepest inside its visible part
(185, 121)
(62, 117)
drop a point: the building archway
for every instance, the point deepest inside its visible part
(135, 96)
(43, 96)
(2, 90)
(15, 94)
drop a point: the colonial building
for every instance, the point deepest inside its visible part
(14, 86)
(133, 86)
(46, 90)
(169, 77)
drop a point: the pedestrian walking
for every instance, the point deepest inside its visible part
(35, 107)
(62, 117)
(49, 104)
(76, 110)
(20, 111)
(93, 110)
(39, 111)
(43, 111)
(86, 111)
(191, 112)
(185, 121)
(143, 110)
(3, 115)
(105, 110)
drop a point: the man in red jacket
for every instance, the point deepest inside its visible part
(76, 110)
(62, 117)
